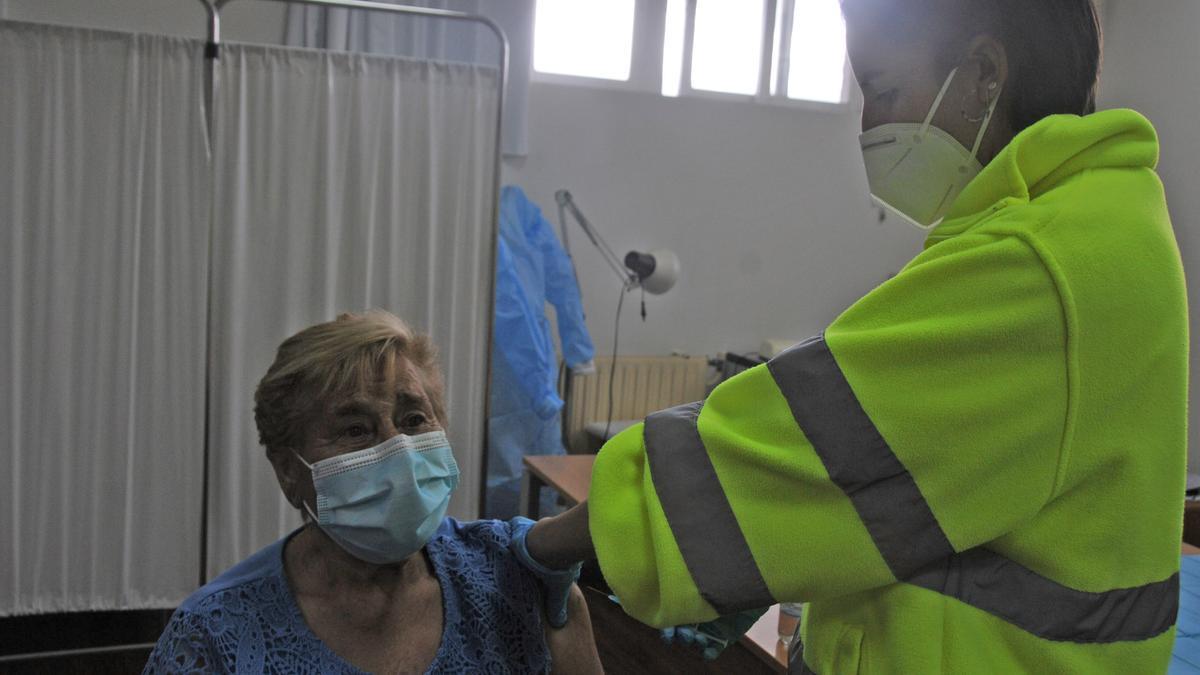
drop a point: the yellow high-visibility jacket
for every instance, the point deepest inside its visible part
(978, 467)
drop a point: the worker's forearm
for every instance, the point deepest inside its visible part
(562, 540)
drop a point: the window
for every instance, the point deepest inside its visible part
(817, 52)
(767, 50)
(584, 38)
(727, 46)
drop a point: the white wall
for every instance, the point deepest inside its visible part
(244, 20)
(1153, 65)
(766, 207)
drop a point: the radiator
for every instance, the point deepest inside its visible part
(641, 385)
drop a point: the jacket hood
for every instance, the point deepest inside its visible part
(1048, 153)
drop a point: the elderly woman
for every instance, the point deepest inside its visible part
(977, 467)
(378, 579)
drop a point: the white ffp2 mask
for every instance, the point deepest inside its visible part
(917, 170)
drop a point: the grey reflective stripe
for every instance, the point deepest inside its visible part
(999, 586)
(907, 534)
(858, 458)
(709, 537)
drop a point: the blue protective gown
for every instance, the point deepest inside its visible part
(525, 409)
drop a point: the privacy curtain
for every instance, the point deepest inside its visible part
(438, 39)
(343, 182)
(331, 183)
(104, 197)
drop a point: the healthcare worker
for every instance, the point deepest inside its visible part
(979, 467)
(524, 408)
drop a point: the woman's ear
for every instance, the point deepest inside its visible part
(287, 472)
(989, 68)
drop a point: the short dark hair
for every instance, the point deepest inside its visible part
(1054, 49)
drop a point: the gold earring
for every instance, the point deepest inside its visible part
(992, 86)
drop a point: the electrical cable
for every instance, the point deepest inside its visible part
(612, 370)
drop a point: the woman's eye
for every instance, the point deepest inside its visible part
(414, 420)
(356, 431)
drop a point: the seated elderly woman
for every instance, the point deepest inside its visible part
(377, 579)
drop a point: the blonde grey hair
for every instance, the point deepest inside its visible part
(332, 358)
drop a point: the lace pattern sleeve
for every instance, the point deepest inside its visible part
(184, 647)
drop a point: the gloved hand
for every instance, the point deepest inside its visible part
(712, 637)
(557, 583)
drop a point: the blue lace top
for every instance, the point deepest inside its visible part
(246, 620)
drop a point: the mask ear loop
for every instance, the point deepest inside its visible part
(937, 103)
(303, 503)
(302, 460)
(987, 120)
(309, 511)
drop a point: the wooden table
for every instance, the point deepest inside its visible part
(571, 475)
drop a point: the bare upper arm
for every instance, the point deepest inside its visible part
(572, 647)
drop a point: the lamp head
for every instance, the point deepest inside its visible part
(657, 271)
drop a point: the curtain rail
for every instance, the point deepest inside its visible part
(214, 8)
(82, 651)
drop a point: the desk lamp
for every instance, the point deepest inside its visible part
(655, 271)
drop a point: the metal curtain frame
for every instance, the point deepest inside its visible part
(212, 53)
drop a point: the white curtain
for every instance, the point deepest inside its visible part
(438, 39)
(103, 256)
(343, 182)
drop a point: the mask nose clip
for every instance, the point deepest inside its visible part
(881, 143)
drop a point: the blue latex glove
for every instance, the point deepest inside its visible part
(557, 583)
(712, 637)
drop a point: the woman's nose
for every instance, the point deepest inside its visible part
(387, 428)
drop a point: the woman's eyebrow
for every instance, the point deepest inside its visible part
(354, 407)
(409, 399)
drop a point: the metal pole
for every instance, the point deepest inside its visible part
(214, 21)
(212, 49)
(766, 59)
(87, 651)
(689, 45)
(495, 224)
(785, 48)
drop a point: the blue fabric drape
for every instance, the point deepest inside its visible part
(525, 409)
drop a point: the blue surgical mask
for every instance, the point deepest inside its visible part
(382, 504)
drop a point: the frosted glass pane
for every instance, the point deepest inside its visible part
(585, 38)
(727, 47)
(817, 69)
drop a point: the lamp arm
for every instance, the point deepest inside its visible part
(567, 205)
(562, 225)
